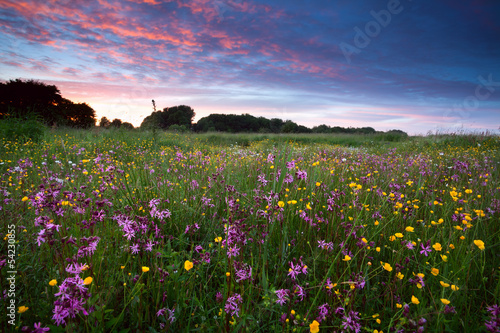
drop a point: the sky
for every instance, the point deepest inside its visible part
(416, 65)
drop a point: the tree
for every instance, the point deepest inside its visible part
(289, 127)
(117, 123)
(79, 115)
(28, 96)
(181, 115)
(104, 122)
(127, 125)
(18, 97)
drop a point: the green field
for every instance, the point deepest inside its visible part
(130, 231)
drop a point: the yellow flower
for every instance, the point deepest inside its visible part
(145, 269)
(22, 309)
(400, 276)
(122, 267)
(387, 266)
(53, 282)
(24, 199)
(218, 239)
(88, 280)
(188, 265)
(437, 247)
(398, 235)
(414, 300)
(445, 301)
(377, 249)
(454, 288)
(409, 229)
(479, 243)
(444, 284)
(281, 204)
(346, 258)
(314, 327)
(318, 184)
(445, 258)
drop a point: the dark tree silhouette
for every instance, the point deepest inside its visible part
(104, 122)
(19, 98)
(127, 125)
(71, 114)
(116, 123)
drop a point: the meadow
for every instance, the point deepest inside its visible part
(129, 231)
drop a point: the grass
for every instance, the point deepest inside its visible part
(160, 232)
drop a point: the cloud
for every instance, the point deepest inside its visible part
(238, 56)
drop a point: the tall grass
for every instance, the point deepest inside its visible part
(250, 233)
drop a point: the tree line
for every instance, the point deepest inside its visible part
(22, 98)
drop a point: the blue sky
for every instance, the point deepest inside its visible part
(417, 66)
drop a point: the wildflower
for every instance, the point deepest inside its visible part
(409, 229)
(454, 288)
(145, 269)
(53, 282)
(351, 322)
(88, 280)
(171, 314)
(218, 297)
(314, 327)
(281, 204)
(398, 235)
(434, 271)
(445, 301)
(414, 300)
(444, 284)
(479, 244)
(494, 324)
(218, 239)
(437, 247)
(232, 305)
(386, 266)
(282, 295)
(22, 309)
(24, 199)
(346, 258)
(426, 249)
(445, 258)
(39, 328)
(188, 265)
(400, 276)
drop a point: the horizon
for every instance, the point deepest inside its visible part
(418, 67)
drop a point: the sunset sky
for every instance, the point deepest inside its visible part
(413, 65)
